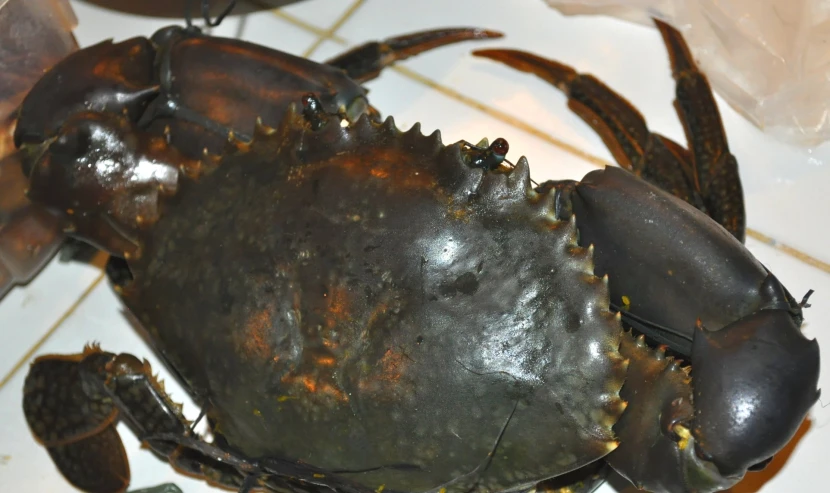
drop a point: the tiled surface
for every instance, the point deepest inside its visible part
(785, 187)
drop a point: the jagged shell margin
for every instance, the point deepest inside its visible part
(496, 191)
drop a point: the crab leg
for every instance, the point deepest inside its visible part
(74, 423)
(715, 168)
(705, 176)
(366, 61)
(72, 404)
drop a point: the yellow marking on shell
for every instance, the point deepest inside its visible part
(318, 475)
(380, 488)
(284, 398)
(626, 302)
(612, 445)
(257, 413)
(442, 490)
(684, 435)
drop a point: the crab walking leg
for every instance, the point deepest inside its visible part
(706, 176)
(715, 168)
(621, 127)
(366, 61)
(76, 422)
(72, 404)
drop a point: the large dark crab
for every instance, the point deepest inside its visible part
(359, 309)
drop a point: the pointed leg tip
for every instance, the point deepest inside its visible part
(487, 34)
(495, 52)
(487, 53)
(510, 57)
(662, 25)
(681, 57)
(553, 72)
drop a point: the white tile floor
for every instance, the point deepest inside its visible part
(784, 186)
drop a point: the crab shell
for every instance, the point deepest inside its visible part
(362, 299)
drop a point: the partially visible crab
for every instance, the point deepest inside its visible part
(360, 309)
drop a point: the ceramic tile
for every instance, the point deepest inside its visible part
(27, 465)
(28, 312)
(269, 30)
(319, 13)
(629, 58)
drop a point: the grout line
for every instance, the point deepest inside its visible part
(793, 252)
(528, 128)
(328, 33)
(28, 356)
(318, 31)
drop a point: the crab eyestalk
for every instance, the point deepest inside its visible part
(104, 177)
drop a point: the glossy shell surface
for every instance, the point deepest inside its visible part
(350, 296)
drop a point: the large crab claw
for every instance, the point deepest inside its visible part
(680, 275)
(753, 374)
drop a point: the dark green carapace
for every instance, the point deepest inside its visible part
(366, 301)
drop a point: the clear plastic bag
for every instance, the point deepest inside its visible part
(769, 59)
(34, 35)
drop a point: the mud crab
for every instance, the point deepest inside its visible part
(361, 309)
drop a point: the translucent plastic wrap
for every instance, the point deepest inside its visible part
(34, 34)
(769, 59)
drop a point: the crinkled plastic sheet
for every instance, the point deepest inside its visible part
(769, 59)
